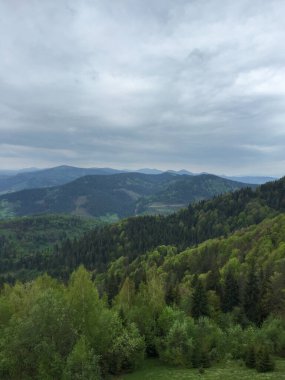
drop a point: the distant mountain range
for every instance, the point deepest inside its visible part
(117, 195)
(251, 179)
(48, 177)
(11, 181)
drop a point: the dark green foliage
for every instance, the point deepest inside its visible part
(29, 239)
(123, 194)
(200, 306)
(135, 236)
(250, 359)
(252, 296)
(230, 295)
(264, 361)
(202, 221)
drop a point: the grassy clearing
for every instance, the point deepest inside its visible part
(155, 370)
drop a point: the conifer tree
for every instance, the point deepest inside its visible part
(200, 306)
(252, 296)
(230, 297)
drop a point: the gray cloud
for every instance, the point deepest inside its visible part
(193, 84)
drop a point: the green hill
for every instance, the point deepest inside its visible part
(48, 177)
(199, 222)
(22, 238)
(197, 289)
(120, 195)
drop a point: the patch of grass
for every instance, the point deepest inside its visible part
(155, 370)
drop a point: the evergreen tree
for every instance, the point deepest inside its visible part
(230, 297)
(200, 306)
(252, 296)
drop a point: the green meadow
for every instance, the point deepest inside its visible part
(155, 370)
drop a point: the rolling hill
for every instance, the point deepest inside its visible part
(132, 237)
(12, 181)
(48, 177)
(118, 195)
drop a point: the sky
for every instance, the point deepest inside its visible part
(197, 84)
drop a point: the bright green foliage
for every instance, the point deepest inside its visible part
(219, 300)
(49, 331)
(176, 348)
(37, 339)
(82, 363)
(127, 350)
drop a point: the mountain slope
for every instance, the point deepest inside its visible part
(261, 245)
(258, 180)
(121, 195)
(135, 236)
(21, 238)
(205, 220)
(48, 177)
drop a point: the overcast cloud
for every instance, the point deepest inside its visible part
(196, 84)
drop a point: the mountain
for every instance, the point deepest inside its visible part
(15, 172)
(181, 172)
(206, 220)
(147, 171)
(16, 180)
(133, 237)
(258, 180)
(261, 245)
(118, 195)
(48, 177)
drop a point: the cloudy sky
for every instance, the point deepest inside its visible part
(197, 84)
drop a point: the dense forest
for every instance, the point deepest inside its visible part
(120, 195)
(199, 287)
(19, 237)
(135, 236)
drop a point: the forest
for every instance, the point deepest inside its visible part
(193, 289)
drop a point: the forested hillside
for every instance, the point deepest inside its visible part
(135, 236)
(48, 177)
(117, 195)
(245, 271)
(221, 301)
(158, 287)
(20, 238)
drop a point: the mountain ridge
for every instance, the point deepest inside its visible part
(11, 181)
(123, 194)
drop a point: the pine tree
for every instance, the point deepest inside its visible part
(200, 306)
(252, 296)
(230, 297)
